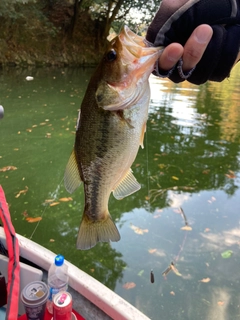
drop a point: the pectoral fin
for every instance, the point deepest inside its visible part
(127, 186)
(72, 178)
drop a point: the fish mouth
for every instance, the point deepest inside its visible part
(137, 59)
(136, 62)
(138, 50)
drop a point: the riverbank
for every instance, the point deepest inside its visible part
(71, 56)
(36, 38)
(51, 51)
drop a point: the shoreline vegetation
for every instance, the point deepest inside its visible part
(58, 32)
(34, 38)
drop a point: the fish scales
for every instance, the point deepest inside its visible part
(110, 128)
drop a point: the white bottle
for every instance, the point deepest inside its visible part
(57, 279)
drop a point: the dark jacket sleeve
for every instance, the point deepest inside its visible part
(222, 51)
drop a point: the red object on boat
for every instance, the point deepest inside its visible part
(13, 285)
(62, 306)
(49, 316)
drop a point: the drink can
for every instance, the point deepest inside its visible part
(34, 297)
(62, 306)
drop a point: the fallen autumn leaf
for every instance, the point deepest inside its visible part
(54, 204)
(205, 280)
(129, 285)
(8, 168)
(187, 228)
(22, 192)
(138, 230)
(31, 219)
(65, 199)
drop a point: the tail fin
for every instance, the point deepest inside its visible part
(91, 232)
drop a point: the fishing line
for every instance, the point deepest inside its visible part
(172, 267)
(181, 247)
(147, 167)
(47, 206)
(186, 232)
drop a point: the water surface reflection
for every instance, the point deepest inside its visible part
(190, 161)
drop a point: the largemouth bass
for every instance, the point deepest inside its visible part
(110, 127)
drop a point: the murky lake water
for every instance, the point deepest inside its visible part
(189, 172)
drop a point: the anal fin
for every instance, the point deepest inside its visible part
(127, 186)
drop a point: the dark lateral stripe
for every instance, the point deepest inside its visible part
(101, 149)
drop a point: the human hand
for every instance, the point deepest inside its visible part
(183, 27)
(191, 53)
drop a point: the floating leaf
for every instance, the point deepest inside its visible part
(175, 270)
(171, 267)
(206, 171)
(187, 228)
(161, 165)
(22, 192)
(65, 199)
(49, 200)
(175, 178)
(8, 168)
(157, 252)
(152, 250)
(25, 214)
(138, 230)
(54, 204)
(205, 280)
(227, 254)
(31, 219)
(230, 174)
(140, 273)
(129, 285)
(187, 188)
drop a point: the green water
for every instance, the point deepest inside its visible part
(191, 161)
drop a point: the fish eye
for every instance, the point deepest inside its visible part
(111, 55)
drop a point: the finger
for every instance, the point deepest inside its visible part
(196, 45)
(170, 56)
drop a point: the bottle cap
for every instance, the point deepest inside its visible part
(59, 260)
